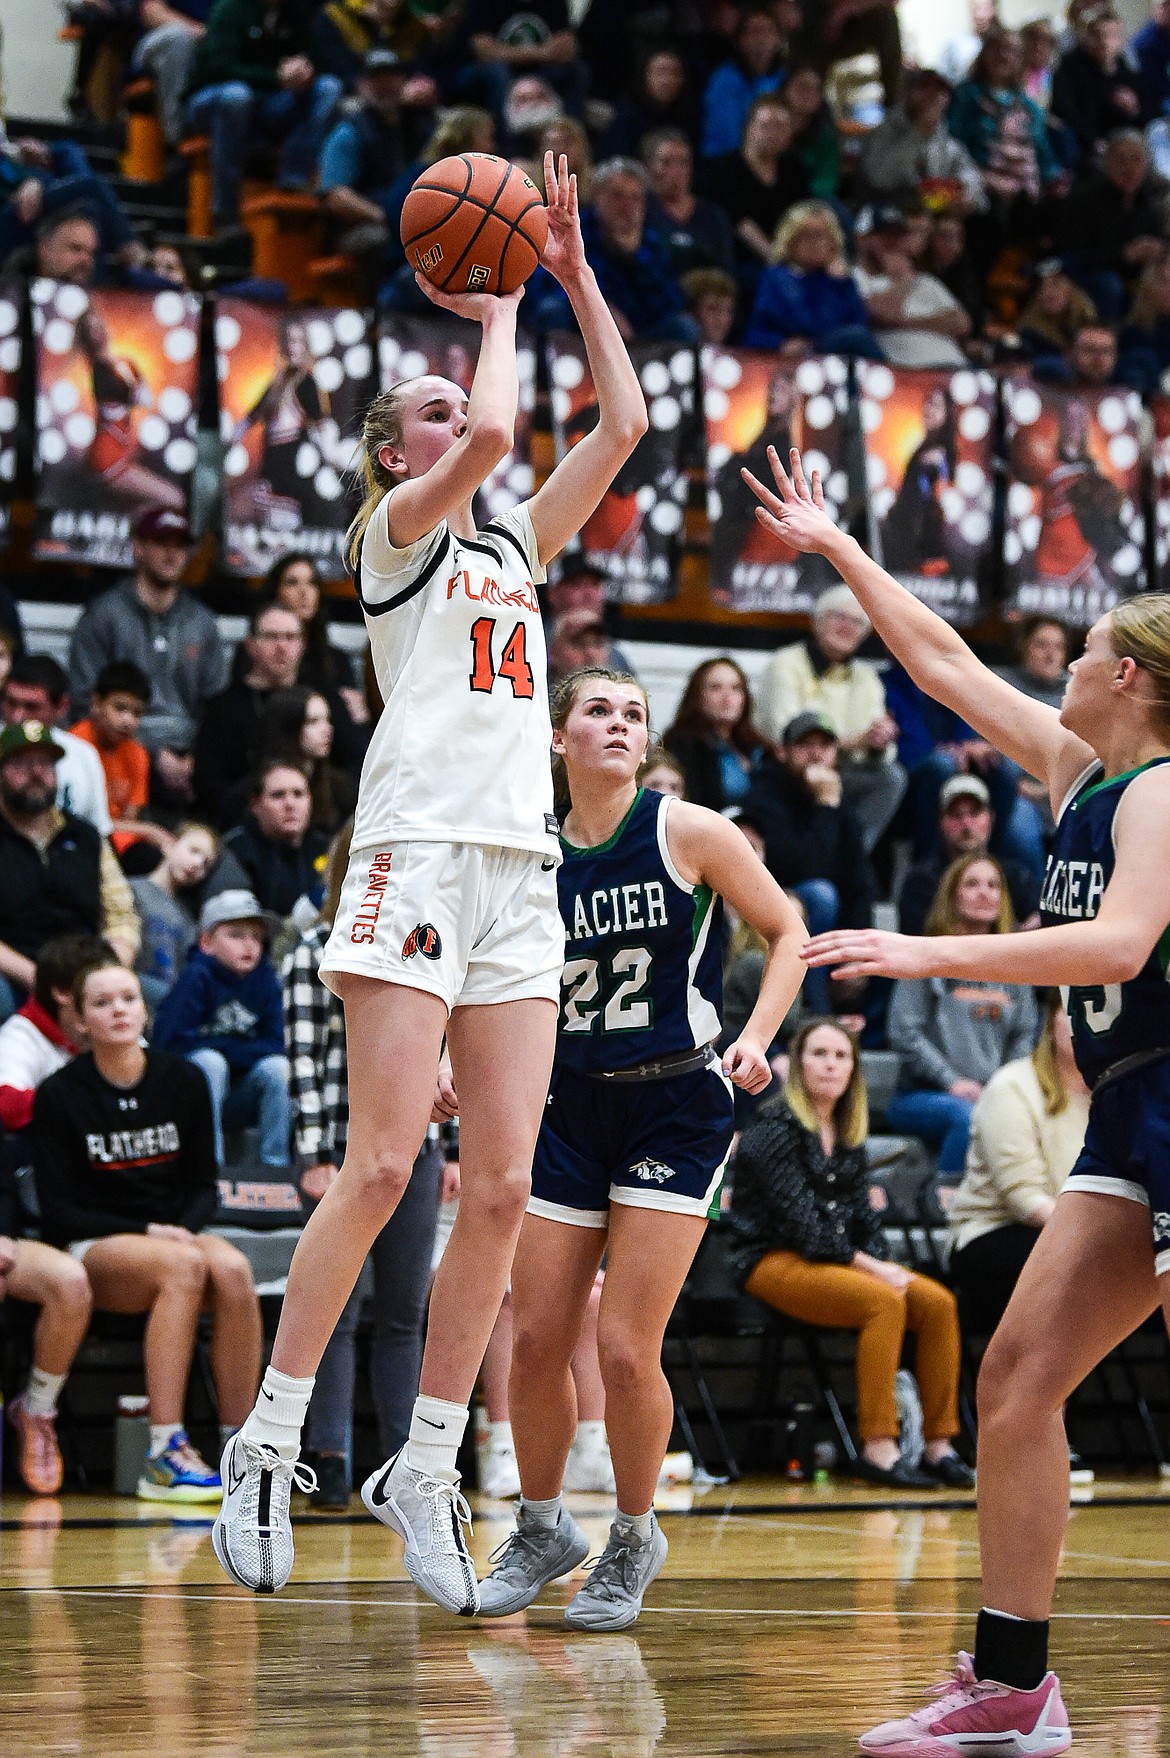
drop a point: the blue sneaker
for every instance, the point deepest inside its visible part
(179, 1474)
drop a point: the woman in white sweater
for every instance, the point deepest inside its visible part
(1026, 1132)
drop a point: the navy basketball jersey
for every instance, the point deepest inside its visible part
(643, 971)
(1109, 1021)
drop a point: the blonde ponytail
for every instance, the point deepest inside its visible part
(382, 426)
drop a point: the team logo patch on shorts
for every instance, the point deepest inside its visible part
(424, 939)
(1161, 1228)
(651, 1172)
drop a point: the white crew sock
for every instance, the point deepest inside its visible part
(436, 1431)
(499, 1434)
(42, 1392)
(280, 1412)
(546, 1514)
(591, 1437)
(639, 1526)
(161, 1436)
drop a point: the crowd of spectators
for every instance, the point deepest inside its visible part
(168, 805)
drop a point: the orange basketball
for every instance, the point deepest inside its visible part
(474, 224)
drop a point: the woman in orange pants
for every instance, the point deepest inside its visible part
(810, 1245)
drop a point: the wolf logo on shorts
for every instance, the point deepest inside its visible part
(424, 939)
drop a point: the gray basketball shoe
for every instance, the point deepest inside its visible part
(611, 1599)
(528, 1560)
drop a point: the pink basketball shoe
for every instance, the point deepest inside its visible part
(971, 1715)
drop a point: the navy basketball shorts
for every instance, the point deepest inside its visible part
(1127, 1148)
(654, 1144)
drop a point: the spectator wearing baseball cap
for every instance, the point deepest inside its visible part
(152, 619)
(581, 586)
(965, 824)
(578, 638)
(57, 874)
(813, 844)
(362, 158)
(225, 1014)
(37, 688)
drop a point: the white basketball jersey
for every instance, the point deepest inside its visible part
(461, 751)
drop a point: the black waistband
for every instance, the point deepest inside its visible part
(665, 1068)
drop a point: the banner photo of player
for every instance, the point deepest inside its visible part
(1075, 531)
(635, 536)
(1159, 408)
(9, 379)
(117, 382)
(294, 386)
(928, 439)
(750, 403)
(448, 347)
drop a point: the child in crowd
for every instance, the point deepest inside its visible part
(225, 1014)
(118, 700)
(168, 926)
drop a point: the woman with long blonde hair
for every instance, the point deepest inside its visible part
(447, 930)
(1101, 1263)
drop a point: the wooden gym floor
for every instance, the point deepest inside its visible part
(788, 1618)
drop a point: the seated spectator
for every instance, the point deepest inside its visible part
(1057, 309)
(568, 136)
(161, 899)
(347, 31)
(224, 1014)
(282, 855)
(754, 70)
(578, 639)
(228, 740)
(254, 79)
(1041, 668)
(697, 231)
(823, 672)
(632, 263)
(1090, 362)
(814, 136)
(917, 322)
(57, 875)
(582, 586)
(812, 839)
(505, 43)
(41, 179)
(953, 1034)
(662, 775)
(808, 291)
(659, 99)
(911, 155)
(37, 689)
(153, 619)
(1026, 1133)
(712, 300)
(1144, 343)
(948, 258)
(45, 1034)
(965, 825)
(117, 702)
(713, 734)
(1095, 90)
(166, 53)
(123, 1151)
(362, 157)
(758, 182)
(1038, 48)
(67, 247)
(1149, 51)
(1005, 134)
(294, 583)
(1112, 224)
(401, 1255)
(297, 729)
(809, 1242)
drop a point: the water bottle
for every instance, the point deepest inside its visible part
(131, 1443)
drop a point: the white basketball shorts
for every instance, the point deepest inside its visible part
(473, 925)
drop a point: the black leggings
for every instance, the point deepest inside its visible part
(986, 1272)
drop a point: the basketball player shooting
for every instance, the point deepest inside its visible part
(1101, 1264)
(448, 926)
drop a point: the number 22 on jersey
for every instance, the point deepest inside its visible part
(513, 665)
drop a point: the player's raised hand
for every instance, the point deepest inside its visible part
(564, 254)
(795, 512)
(747, 1066)
(479, 307)
(869, 952)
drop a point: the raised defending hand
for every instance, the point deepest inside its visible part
(869, 952)
(747, 1066)
(796, 512)
(479, 307)
(564, 254)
